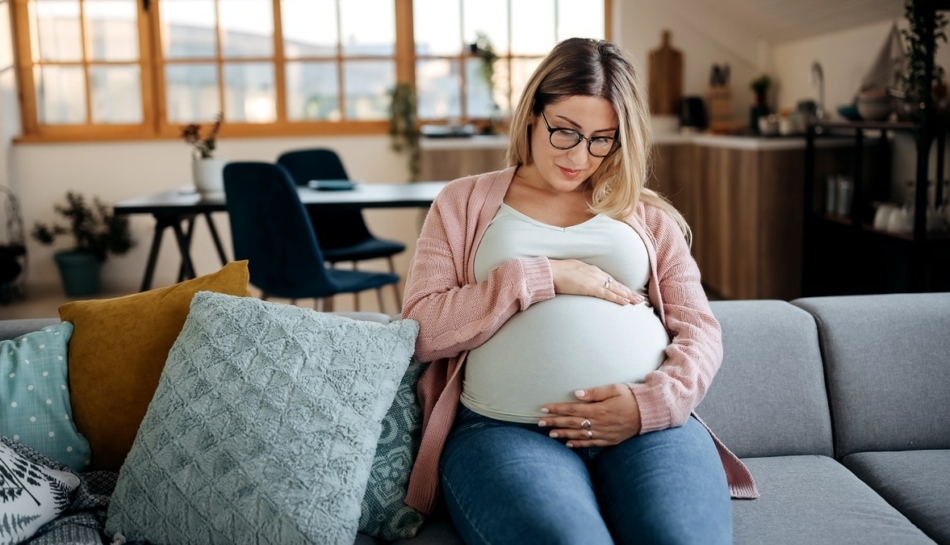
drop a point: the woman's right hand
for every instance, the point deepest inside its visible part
(573, 277)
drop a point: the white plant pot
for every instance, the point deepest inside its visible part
(208, 175)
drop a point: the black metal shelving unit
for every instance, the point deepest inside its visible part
(848, 255)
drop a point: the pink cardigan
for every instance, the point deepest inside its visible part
(456, 314)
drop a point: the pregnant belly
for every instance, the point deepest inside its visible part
(544, 354)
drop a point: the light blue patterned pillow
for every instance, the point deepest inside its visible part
(34, 395)
(384, 510)
(263, 426)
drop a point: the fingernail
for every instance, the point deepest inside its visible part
(544, 410)
(579, 393)
(570, 445)
(542, 423)
(553, 435)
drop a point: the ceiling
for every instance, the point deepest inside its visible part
(777, 21)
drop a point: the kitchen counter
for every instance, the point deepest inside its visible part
(750, 142)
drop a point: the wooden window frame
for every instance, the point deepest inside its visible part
(154, 124)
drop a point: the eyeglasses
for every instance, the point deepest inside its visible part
(598, 146)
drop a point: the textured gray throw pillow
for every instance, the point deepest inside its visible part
(263, 426)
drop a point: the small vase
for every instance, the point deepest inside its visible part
(208, 175)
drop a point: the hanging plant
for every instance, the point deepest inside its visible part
(403, 126)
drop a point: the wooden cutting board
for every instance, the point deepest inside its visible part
(665, 70)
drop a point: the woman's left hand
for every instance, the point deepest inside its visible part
(610, 413)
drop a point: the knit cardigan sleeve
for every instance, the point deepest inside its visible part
(667, 396)
(456, 314)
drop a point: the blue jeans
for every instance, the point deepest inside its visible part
(511, 483)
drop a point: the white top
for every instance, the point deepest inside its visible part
(545, 353)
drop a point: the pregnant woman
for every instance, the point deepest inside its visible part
(568, 335)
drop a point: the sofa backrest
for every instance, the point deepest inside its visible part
(11, 329)
(887, 359)
(769, 397)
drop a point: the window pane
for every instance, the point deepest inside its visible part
(192, 92)
(366, 86)
(532, 27)
(368, 27)
(438, 88)
(116, 94)
(312, 91)
(249, 94)
(309, 27)
(60, 94)
(188, 29)
(437, 27)
(478, 96)
(583, 18)
(521, 70)
(56, 32)
(247, 28)
(112, 30)
(489, 17)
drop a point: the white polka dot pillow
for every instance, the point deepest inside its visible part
(34, 395)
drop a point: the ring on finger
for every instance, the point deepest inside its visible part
(607, 282)
(585, 424)
(590, 434)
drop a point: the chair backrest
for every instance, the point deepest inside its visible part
(271, 229)
(313, 164)
(334, 228)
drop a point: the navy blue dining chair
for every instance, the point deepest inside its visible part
(271, 229)
(343, 234)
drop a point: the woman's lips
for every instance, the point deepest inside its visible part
(569, 173)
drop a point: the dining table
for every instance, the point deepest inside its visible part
(178, 210)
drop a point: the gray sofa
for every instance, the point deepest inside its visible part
(840, 406)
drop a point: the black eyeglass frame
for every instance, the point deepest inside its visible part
(614, 147)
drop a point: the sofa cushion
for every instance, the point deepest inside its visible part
(31, 494)
(263, 426)
(768, 398)
(888, 369)
(916, 482)
(117, 353)
(816, 500)
(384, 512)
(34, 395)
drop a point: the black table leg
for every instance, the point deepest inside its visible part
(187, 271)
(188, 231)
(161, 222)
(217, 240)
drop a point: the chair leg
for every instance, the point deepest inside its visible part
(392, 269)
(379, 296)
(356, 296)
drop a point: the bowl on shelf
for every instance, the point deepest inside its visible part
(874, 106)
(849, 112)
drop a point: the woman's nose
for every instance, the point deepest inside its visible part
(578, 154)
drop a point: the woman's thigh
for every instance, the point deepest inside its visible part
(507, 484)
(665, 487)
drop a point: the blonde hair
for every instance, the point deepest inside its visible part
(597, 68)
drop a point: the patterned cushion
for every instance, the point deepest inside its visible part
(263, 426)
(117, 353)
(384, 511)
(34, 397)
(30, 495)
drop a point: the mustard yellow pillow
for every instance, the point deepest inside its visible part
(117, 353)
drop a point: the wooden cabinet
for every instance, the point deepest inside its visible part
(450, 158)
(744, 206)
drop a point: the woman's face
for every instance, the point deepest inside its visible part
(568, 170)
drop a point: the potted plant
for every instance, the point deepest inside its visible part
(206, 168)
(484, 50)
(760, 86)
(403, 128)
(96, 232)
(921, 38)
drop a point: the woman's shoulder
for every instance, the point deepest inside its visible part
(462, 189)
(654, 216)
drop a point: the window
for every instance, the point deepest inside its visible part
(111, 69)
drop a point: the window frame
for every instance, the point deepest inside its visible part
(151, 63)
